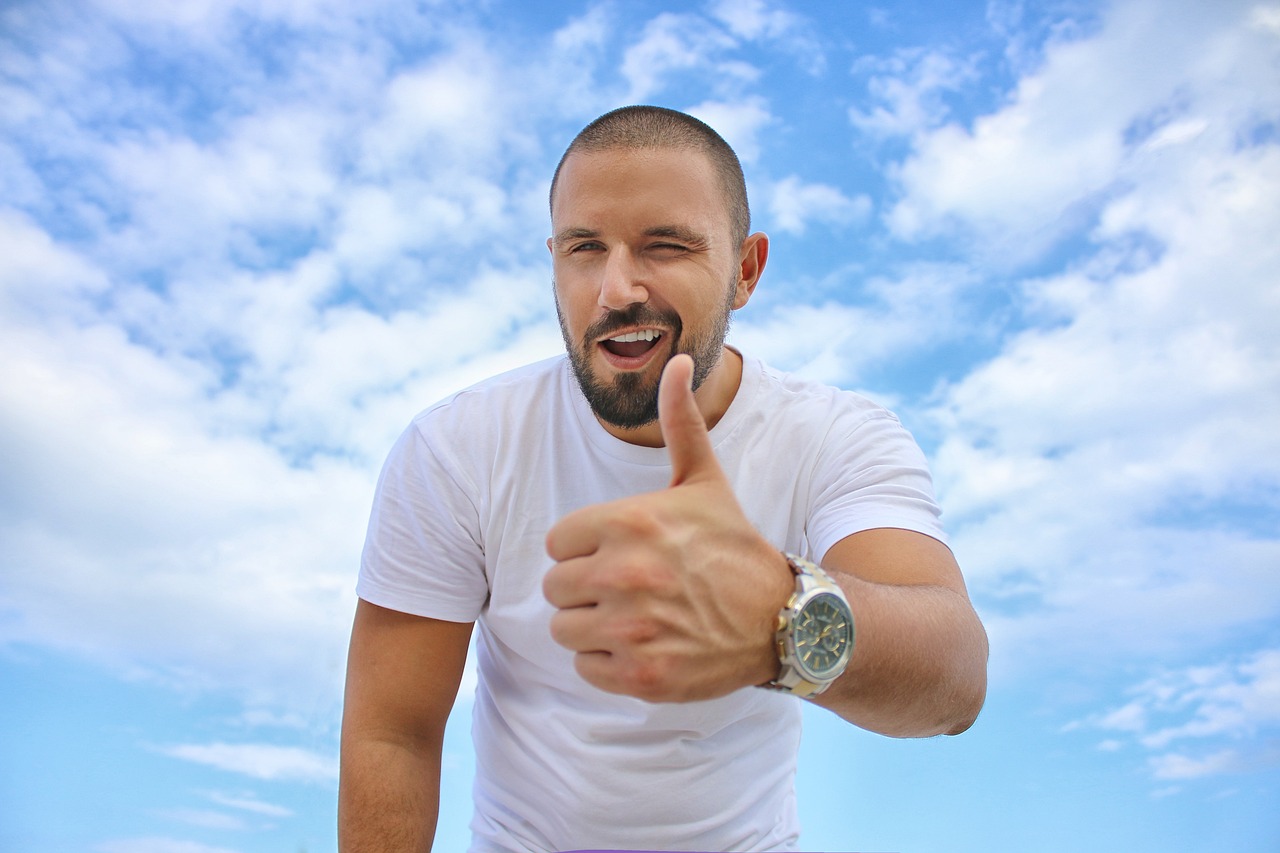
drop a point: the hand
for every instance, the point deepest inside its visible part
(670, 596)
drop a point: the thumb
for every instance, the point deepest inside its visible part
(684, 430)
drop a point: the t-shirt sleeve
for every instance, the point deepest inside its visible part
(423, 553)
(870, 473)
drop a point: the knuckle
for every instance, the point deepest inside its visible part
(636, 630)
(646, 680)
(637, 521)
(558, 630)
(632, 577)
(551, 586)
(641, 574)
(584, 666)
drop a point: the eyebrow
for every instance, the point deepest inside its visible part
(680, 233)
(574, 234)
(673, 232)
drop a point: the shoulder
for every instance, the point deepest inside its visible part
(811, 400)
(461, 437)
(464, 431)
(836, 427)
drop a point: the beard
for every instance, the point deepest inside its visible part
(630, 400)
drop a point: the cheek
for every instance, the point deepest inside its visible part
(575, 312)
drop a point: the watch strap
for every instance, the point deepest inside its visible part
(810, 579)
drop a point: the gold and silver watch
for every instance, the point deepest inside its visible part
(815, 632)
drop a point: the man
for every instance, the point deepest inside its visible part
(632, 529)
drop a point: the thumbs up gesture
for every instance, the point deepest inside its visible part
(669, 596)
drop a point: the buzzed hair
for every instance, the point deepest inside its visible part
(638, 127)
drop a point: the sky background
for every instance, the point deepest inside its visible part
(242, 243)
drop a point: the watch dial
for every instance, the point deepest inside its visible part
(823, 636)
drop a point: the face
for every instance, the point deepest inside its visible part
(644, 268)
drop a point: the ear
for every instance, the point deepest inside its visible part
(751, 261)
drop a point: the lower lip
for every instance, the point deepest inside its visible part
(623, 362)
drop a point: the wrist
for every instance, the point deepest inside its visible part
(814, 633)
(780, 585)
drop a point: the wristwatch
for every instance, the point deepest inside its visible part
(815, 632)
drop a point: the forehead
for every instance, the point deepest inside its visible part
(638, 187)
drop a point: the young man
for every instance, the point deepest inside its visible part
(636, 529)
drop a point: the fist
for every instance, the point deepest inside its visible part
(670, 596)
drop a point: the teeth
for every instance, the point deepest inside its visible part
(632, 337)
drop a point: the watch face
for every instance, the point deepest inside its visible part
(823, 637)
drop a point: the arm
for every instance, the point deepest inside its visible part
(673, 596)
(403, 673)
(919, 665)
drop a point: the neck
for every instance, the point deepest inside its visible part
(713, 398)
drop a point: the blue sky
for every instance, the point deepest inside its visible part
(242, 243)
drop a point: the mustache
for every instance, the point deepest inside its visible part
(638, 314)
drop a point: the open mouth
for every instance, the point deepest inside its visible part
(633, 344)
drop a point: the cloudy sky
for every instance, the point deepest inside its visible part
(242, 243)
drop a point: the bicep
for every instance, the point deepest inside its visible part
(895, 557)
(403, 673)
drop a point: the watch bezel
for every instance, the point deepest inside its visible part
(810, 600)
(793, 677)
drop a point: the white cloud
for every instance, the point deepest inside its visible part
(205, 819)
(240, 562)
(270, 172)
(752, 19)
(450, 110)
(585, 33)
(221, 320)
(872, 323)
(740, 123)
(260, 761)
(249, 803)
(793, 204)
(768, 25)
(200, 374)
(674, 44)
(1198, 709)
(1018, 179)
(38, 275)
(214, 436)
(137, 535)
(670, 43)
(1181, 767)
(200, 20)
(1265, 18)
(833, 324)
(907, 90)
(158, 845)
(1222, 700)
(1105, 471)
(197, 15)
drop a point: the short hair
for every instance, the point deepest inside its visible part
(637, 127)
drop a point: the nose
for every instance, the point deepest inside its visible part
(621, 282)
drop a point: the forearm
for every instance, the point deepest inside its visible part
(919, 663)
(388, 796)
(393, 733)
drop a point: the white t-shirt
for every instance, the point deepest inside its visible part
(458, 532)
